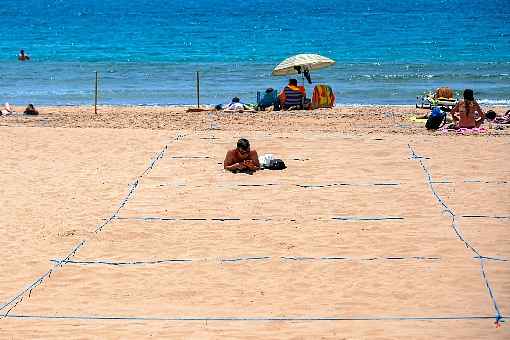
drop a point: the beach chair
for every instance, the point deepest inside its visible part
(442, 97)
(323, 97)
(269, 98)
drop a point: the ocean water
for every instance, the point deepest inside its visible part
(147, 52)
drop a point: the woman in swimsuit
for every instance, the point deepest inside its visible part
(467, 113)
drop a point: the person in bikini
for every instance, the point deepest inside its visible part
(242, 158)
(467, 113)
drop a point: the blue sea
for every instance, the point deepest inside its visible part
(147, 52)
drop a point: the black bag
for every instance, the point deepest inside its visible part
(276, 164)
(436, 119)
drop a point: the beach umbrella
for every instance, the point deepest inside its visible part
(302, 63)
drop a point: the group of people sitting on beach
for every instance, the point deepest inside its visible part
(467, 113)
(9, 110)
(292, 97)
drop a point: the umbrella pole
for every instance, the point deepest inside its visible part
(198, 90)
(303, 82)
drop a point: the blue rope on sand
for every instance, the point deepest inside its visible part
(254, 319)
(243, 259)
(255, 258)
(491, 258)
(485, 182)
(315, 186)
(468, 180)
(304, 186)
(190, 157)
(263, 219)
(456, 229)
(14, 301)
(485, 216)
(367, 218)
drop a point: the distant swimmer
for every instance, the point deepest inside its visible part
(22, 56)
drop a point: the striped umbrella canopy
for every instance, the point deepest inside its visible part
(305, 61)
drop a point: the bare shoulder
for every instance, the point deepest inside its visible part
(230, 157)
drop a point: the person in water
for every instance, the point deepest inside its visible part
(242, 158)
(22, 56)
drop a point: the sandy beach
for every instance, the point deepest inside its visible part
(374, 231)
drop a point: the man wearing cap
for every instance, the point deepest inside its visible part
(242, 158)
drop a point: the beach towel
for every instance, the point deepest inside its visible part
(502, 120)
(237, 107)
(463, 131)
(323, 97)
(418, 120)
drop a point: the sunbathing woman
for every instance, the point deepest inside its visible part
(467, 113)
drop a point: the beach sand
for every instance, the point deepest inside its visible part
(351, 241)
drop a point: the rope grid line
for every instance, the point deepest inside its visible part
(486, 216)
(18, 298)
(245, 259)
(259, 219)
(499, 317)
(267, 258)
(304, 186)
(67, 260)
(259, 319)
(311, 186)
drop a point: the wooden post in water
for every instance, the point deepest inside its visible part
(198, 90)
(95, 96)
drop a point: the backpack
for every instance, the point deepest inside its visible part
(435, 119)
(276, 164)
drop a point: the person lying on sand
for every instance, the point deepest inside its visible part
(242, 159)
(236, 106)
(7, 110)
(467, 113)
(494, 118)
